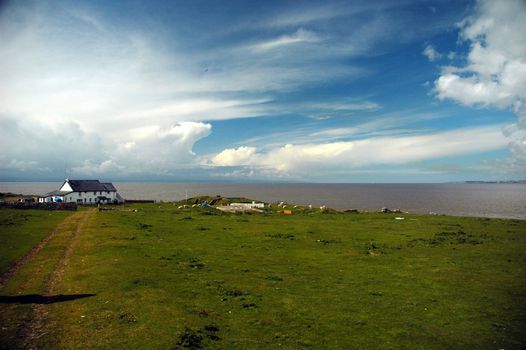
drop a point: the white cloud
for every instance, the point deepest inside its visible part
(300, 36)
(346, 155)
(158, 149)
(431, 53)
(234, 156)
(349, 106)
(104, 168)
(18, 165)
(149, 150)
(495, 74)
(472, 91)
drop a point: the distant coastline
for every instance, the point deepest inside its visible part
(496, 200)
(496, 182)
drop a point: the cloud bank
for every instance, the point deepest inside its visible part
(495, 73)
(300, 160)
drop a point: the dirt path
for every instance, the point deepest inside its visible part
(6, 276)
(34, 328)
(60, 268)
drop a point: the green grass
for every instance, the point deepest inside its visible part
(20, 230)
(167, 278)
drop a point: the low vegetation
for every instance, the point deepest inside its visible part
(20, 230)
(154, 276)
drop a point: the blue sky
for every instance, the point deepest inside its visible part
(322, 91)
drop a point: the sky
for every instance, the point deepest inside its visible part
(263, 91)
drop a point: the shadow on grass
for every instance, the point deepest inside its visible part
(41, 299)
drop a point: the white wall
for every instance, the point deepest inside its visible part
(66, 187)
(89, 197)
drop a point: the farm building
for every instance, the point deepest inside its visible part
(84, 192)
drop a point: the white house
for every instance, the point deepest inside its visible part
(84, 192)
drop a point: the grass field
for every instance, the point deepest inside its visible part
(21, 230)
(165, 278)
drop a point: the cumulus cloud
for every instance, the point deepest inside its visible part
(431, 53)
(299, 159)
(38, 148)
(156, 149)
(495, 73)
(100, 99)
(235, 156)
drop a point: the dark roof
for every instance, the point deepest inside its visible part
(108, 186)
(90, 185)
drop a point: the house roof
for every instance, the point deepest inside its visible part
(109, 186)
(90, 185)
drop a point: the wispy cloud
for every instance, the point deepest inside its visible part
(394, 124)
(347, 155)
(300, 36)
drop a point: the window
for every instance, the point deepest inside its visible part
(85, 200)
(90, 199)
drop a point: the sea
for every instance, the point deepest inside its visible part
(495, 200)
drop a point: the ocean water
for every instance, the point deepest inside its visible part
(484, 200)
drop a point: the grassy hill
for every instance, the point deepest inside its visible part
(155, 276)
